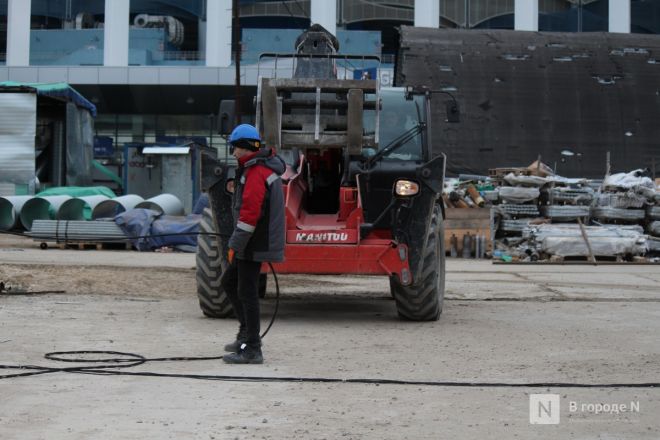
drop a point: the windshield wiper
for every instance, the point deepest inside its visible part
(397, 142)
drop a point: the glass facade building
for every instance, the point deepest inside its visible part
(574, 16)
(167, 82)
(173, 32)
(645, 16)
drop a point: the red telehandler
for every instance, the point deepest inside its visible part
(362, 190)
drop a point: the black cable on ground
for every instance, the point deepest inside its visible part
(109, 366)
(125, 360)
(110, 362)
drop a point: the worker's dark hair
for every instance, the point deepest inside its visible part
(248, 144)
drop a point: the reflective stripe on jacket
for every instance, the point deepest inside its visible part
(258, 208)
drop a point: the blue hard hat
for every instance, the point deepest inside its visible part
(244, 132)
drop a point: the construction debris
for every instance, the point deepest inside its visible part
(143, 229)
(566, 240)
(537, 215)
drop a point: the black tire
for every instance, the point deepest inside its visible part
(422, 301)
(210, 262)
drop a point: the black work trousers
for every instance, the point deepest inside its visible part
(241, 284)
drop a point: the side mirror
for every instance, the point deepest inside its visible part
(226, 117)
(453, 111)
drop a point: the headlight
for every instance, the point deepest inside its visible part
(405, 188)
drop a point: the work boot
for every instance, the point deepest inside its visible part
(248, 355)
(235, 347)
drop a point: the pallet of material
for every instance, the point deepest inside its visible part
(86, 245)
(460, 222)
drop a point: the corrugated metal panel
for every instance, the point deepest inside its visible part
(18, 124)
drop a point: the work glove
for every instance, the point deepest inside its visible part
(230, 256)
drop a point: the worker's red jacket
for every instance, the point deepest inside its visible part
(258, 207)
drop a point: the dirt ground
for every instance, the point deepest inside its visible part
(504, 324)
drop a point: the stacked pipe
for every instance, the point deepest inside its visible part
(624, 198)
(517, 203)
(112, 207)
(653, 220)
(465, 195)
(631, 198)
(50, 207)
(167, 204)
(20, 212)
(10, 210)
(531, 202)
(76, 230)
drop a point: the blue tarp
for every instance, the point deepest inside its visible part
(61, 91)
(159, 230)
(202, 202)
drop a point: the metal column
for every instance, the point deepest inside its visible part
(115, 33)
(18, 32)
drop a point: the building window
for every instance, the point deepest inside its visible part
(145, 128)
(574, 15)
(645, 16)
(67, 32)
(167, 33)
(378, 15)
(479, 14)
(271, 14)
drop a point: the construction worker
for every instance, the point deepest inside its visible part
(258, 236)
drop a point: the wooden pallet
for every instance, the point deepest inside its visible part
(587, 259)
(460, 222)
(85, 245)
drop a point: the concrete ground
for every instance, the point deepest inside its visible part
(501, 324)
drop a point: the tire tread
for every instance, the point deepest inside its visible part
(422, 301)
(213, 300)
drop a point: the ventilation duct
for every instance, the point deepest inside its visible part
(173, 26)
